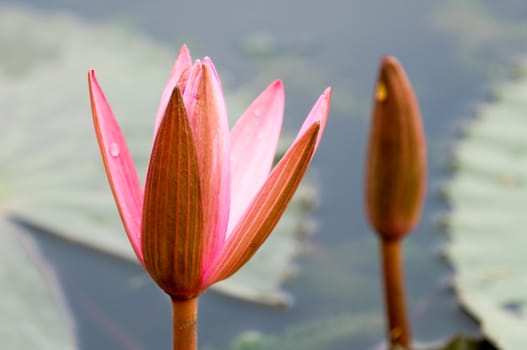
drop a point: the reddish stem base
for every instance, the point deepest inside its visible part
(185, 323)
(398, 329)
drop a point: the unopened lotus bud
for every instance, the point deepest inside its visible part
(396, 159)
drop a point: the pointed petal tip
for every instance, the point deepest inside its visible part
(277, 84)
(184, 49)
(177, 76)
(325, 99)
(392, 72)
(175, 96)
(207, 64)
(210, 72)
(323, 104)
(91, 76)
(319, 113)
(274, 90)
(183, 55)
(388, 61)
(183, 61)
(322, 107)
(95, 89)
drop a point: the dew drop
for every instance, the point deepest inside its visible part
(257, 112)
(259, 136)
(114, 149)
(381, 94)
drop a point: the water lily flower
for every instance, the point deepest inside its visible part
(210, 198)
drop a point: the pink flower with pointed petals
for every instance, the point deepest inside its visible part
(210, 198)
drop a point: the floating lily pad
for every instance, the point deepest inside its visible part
(460, 343)
(32, 311)
(335, 332)
(463, 343)
(53, 176)
(488, 194)
(323, 333)
(484, 33)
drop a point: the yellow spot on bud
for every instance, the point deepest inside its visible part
(380, 92)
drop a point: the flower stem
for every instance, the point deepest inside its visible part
(185, 317)
(398, 329)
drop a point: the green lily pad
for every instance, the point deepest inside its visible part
(323, 333)
(488, 194)
(32, 311)
(53, 176)
(464, 343)
(336, 332)
(484, 33)
(460, 343)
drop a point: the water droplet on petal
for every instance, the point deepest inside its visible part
(257, 112)
(259, 136)
(381, 94)
(114, 149)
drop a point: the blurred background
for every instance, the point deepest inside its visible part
(453, 52)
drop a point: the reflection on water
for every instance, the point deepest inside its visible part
(332, 42)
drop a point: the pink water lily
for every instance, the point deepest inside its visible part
(210, 198)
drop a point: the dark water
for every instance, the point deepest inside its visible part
(339, 43)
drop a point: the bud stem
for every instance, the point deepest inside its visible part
(185, 316)
(398, 329)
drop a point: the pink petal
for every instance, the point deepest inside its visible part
(183, 62)
(190, 87)
(172, 217)
(254, 139)
(120, 169)
(265, 210)
(319, 113)
(209, 123)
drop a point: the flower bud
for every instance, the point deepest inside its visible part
(396, 158)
